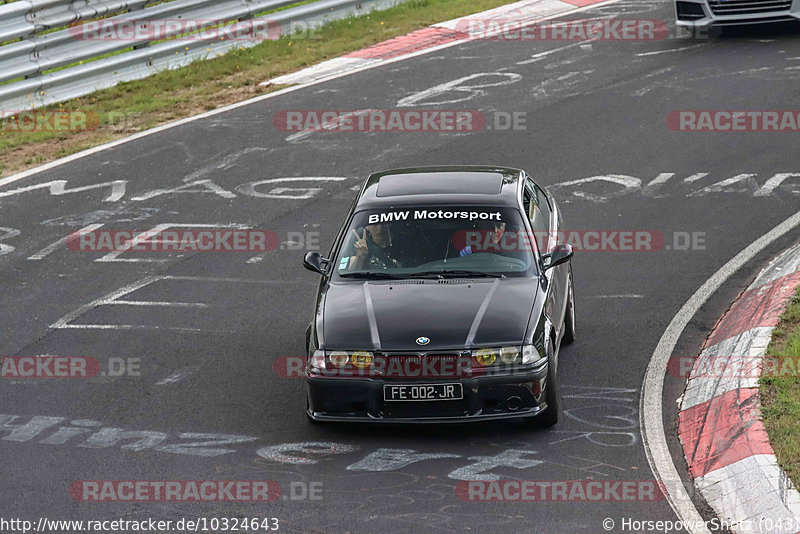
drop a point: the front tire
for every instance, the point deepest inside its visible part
(551, 413)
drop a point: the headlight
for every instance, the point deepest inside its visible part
(339, 358)
(530, 354)
(509, 355)
(318, 359)
(485, 357)
(361, 359)
(506, 355)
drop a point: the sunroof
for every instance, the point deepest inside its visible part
(438, 183)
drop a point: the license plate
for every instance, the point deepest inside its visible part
(422, 392)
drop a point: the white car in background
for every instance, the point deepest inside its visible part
(700, 14)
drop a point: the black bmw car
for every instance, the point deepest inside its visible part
(445, 298)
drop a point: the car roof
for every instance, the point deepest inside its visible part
(444, 185)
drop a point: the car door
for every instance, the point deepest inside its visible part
(545, 220)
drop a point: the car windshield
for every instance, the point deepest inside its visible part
(456, 241)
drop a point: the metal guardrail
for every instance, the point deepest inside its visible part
(48, 38)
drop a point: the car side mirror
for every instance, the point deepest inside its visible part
(561, 254)
(313, 261)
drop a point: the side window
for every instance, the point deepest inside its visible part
(527, 198)
(537, 207)
(543, 203)
(539, 213)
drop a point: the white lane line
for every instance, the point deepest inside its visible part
(140, 327)
(57, 163)
(669, 50)
(121, 292)
(651, 415)
(695, 177)
(621, 296)
(661, 179)
(63, 241)
(319, 71)
(113, 298)
(177, 376)
(542, 55)
(231, 280)
(586, 44)
(157, 303)
(329, 125)
(150, 237)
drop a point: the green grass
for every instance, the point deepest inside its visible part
(206, 85)
(780, 395)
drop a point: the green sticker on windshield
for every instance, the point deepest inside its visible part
(343, 263)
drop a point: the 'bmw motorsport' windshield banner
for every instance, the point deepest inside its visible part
(433, 214)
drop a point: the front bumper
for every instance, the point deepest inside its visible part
(701, 14)
(490, 397)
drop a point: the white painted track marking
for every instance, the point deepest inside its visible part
(177, 376)
(670, 50)
(121, 292)
(650, 410)
(156, 303)
(113, 298)
(662, 178)
(541, 55)
(148, 237)
(57, 163)
(231, 280)
(468, 92)
(695, 177)
(622, 296)
(249, 189)
(8, 233)
(137, 327)
(62, 242)
(329, 125)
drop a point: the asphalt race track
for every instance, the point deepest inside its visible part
(206, 367)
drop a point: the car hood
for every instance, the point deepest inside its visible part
(452, 313)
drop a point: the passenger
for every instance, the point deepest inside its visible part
(373, 249)
(489, 239)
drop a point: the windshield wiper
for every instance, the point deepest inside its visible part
(458, 273)
(371, 275)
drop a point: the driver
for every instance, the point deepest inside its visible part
(373, 249)
(489, 239)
